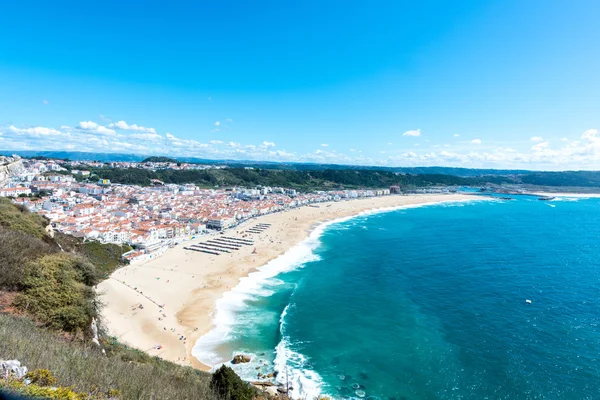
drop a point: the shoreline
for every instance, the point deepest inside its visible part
(164, 305)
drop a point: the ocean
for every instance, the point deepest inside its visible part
(468, 300)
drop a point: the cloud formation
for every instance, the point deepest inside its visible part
(95, 128)
(582, 152)
(415, 132)
(133, 127)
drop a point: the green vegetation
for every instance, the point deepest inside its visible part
(54, 277)
(17, 218)
(228, 385)
(565, 178)
(80, 367)
(303, 180)
(52, 280)
(105, 257)
(57, 289)
(159, 159)
(17, 249)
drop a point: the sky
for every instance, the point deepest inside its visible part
(495, 84)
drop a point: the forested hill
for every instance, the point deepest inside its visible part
(331, 179)
(307, 180)
(294, 166)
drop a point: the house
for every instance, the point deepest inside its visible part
(14, 192)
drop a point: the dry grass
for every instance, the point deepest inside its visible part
(86, 369)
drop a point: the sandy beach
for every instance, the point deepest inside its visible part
(168, 301)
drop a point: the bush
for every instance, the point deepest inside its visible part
(106, 257)
(17, 218)
(16, 250)
(56, 291)
(226, 384)
(43, 392)
(42, 377)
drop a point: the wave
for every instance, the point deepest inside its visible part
(255, 285)
(289, 365)
(293, 372)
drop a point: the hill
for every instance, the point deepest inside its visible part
(48, 311)
(303, 180)
(156, 159)
(293, 166)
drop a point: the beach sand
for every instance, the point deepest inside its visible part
(178, 290)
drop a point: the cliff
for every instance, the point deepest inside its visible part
(9, 169)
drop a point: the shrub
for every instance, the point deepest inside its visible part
(56, 292)
(42, 392)
(16, 250)
(226, 384)
(17, 218)
(106, 257)
(42, 377)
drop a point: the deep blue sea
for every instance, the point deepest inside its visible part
(428, 303)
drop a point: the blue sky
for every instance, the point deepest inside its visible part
(469, 83)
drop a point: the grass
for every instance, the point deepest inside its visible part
(106, 257)
(52, 280)
(84, 368)
(16, 218)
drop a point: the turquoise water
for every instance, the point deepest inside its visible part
(429, 303)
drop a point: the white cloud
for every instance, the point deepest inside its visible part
(102, 130)
(45, 102)
(541, 146)
(87, 125)
(324, 145)
(537, 139)
(590, 134)
(217, 123)
(389, 143)
(147, 136)
(415, 132)
(456, 135)
(583, 153)
(133, 127)
(93, 127)
(38, 131)
(564, 139)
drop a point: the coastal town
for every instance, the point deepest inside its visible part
(151, 218)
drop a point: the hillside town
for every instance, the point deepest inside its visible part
(148, 218)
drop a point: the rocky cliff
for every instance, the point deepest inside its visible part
(10, 169)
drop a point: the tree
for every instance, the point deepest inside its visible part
(227, 385)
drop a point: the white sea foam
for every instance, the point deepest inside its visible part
(292, 369)
(570, 198)
(256, 284)
(289, 364)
